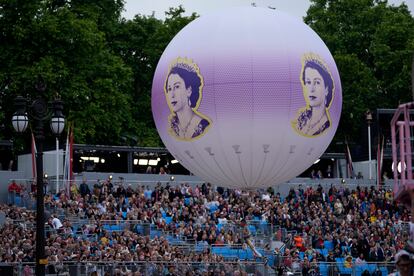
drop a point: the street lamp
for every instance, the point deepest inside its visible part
(57, 124)
(39, 113)
(368, 116)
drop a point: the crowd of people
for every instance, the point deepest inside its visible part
(360, 225)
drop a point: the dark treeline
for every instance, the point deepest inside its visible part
(102, 65)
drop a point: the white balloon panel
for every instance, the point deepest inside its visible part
(266, 105)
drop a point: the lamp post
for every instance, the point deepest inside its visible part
(368, 116)
(39, 113)
(57, 123)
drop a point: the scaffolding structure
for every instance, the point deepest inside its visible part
(402, 138)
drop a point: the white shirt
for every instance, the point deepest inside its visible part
(56, 223)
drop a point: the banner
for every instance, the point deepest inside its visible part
(68, 165)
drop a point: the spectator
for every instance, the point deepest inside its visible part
(162, 171)
(348, 262)
(55, 222)
(404, 264)
(14, 188)
(192, 214)
(84, 189)
(329, 171)
(74, 191)
(360, 260)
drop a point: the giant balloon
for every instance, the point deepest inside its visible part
(247, 97)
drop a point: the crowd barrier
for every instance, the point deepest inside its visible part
(261, 232)
(153, 268)
(51, 185)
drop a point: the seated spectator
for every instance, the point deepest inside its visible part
(55, 222)
(360, 260)
(348, 262)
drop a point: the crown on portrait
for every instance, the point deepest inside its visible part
(312, 57)
(184, 63)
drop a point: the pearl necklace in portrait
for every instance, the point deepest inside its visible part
(185, 129)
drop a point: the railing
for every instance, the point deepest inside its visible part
(143, 268)
(51, 185)
(335, 269)
(181, 268)
(22, 199)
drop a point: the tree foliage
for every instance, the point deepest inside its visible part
(103, 65)
(373, 45)
(140, 42)
(100, 64)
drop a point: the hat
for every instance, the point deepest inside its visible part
(400, 254)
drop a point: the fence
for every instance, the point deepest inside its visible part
(141, 268)
(50, 185)
(197, 268)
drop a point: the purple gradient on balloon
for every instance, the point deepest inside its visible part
(251, 62)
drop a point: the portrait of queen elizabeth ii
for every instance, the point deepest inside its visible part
(183, 91)
(318, 90)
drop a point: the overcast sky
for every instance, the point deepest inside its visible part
(294, 7)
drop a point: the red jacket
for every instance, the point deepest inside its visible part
(13, 187)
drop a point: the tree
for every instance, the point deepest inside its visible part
(372, 44)
(67, 48)
(101, 65)
(140, 42)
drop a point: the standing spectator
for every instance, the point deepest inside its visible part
(329, 172)
(14, 190)
(298, 242)
(319, 174)
(74, 191)
(45, 184)
(162, 171)
(84, 189)
(14, 187)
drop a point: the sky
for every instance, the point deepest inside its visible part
(295, 8)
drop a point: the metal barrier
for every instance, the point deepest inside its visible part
(296, 266)
(51, 184)
(144, 268)
(198, 268)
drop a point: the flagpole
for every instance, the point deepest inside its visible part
(57, 165)
(34, 152)
(65, 166)
(70, 173)
(368, 116)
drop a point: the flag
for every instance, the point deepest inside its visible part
(380, 158)
(34, 152)
(66, 163)
(349, 165)
(67, 169)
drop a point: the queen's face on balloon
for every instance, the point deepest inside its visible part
(177, 93)
(183, 93)
(315, 88)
